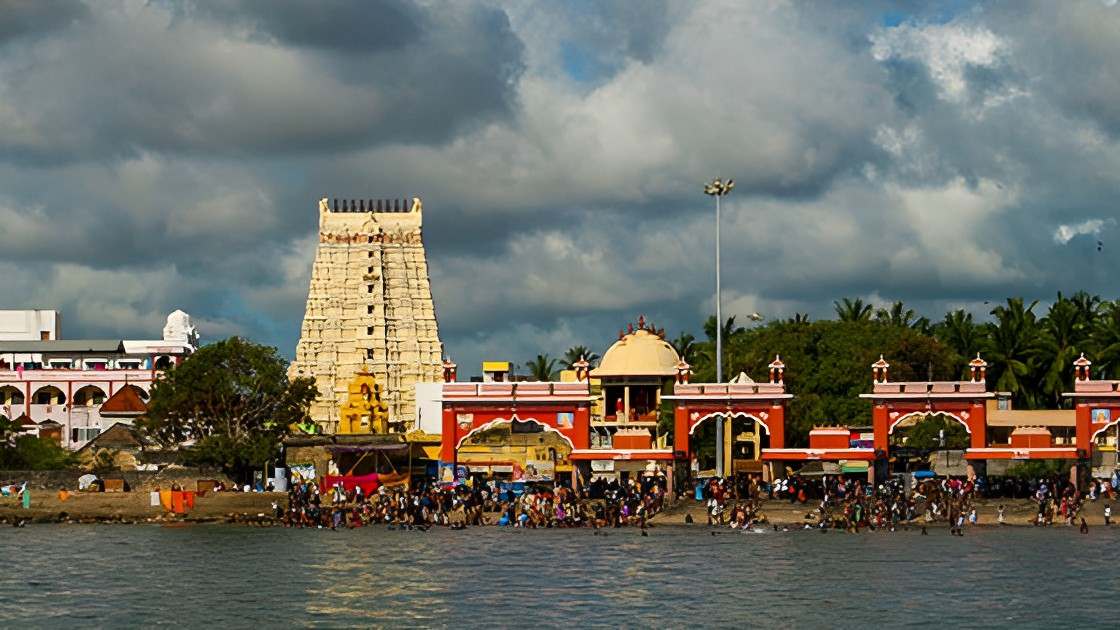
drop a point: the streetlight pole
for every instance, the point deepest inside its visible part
(718, 188)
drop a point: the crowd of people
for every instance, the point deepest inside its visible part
(831, 502)
(601, 503)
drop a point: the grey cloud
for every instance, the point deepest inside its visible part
(31, 18)
(338, 25)
(171, 155)
(141, 79)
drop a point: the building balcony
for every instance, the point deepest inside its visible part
(73, 374)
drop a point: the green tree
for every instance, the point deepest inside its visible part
(542, 368)
(959, 332)
(896, 315)
(29, 452)
(927, 434)
(1011, 346)
(573, 355)
(1064, 332)
(1105, 341)
(828, 366)
(685, 345)
(234, 399)
(848, 310)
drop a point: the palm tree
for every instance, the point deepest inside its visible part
(898, 315)
(730, 330)
(959, 333)
(1058, 347)
(799, 318)
(542, 368)
(1088, 306)
(1012, 343)
(848, 310)
(573, 355)
(685, 345)
(1106, 340)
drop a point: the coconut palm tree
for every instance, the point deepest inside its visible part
(799, 318)
(1106, 341)
(897, 315)
(849, 310)
(685, 345)
(573, 355)
(542, 368)
(1058, 346)
(1011, 347)
(959, 332)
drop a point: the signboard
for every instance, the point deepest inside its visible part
(1102, 416)
(302, 472)
(534, 470)
(464, 420)
(445, 473)
(565, 419)
(600, 465)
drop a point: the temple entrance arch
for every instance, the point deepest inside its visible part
(513, 422)
(516, 449)
(898, 404)
(915, 417)
(744, 437)
(927, 431)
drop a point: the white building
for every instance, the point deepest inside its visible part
(29, 325)
(66, 381)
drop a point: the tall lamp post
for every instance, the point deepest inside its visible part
(718, 188)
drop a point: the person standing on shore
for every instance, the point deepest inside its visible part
(1107, 514)
(24, 495)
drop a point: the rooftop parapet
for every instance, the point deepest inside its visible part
(526, 391)
(371, 205)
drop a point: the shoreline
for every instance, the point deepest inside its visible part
(255, 510)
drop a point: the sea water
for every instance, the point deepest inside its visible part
(237, 577)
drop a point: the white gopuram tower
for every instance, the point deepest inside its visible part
(369, 308)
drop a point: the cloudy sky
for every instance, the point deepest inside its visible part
(158, 155)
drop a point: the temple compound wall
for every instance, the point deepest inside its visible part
(369, 308)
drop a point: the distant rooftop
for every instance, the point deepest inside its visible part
(63, 345)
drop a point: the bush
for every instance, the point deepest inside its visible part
(29, 452)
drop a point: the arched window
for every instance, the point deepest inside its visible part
(49, 395)
(11, 395)
(89, 395)
(163, 363)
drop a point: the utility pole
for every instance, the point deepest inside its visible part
(718, 188)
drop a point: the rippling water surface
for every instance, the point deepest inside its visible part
(224, 576)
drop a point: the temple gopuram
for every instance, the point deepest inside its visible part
(369, 310)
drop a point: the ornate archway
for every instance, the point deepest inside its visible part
(924, 414)
(723, 414)
(894, 402)
(497, 422)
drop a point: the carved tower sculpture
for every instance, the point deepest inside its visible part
(369, 308)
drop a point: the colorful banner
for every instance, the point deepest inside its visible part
(302, 472)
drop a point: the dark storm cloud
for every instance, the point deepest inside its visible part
(171, 154)
(340, 25)
(32, 18)
(143, 78)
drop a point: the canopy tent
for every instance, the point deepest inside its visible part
(369, 483)
(819, 469)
